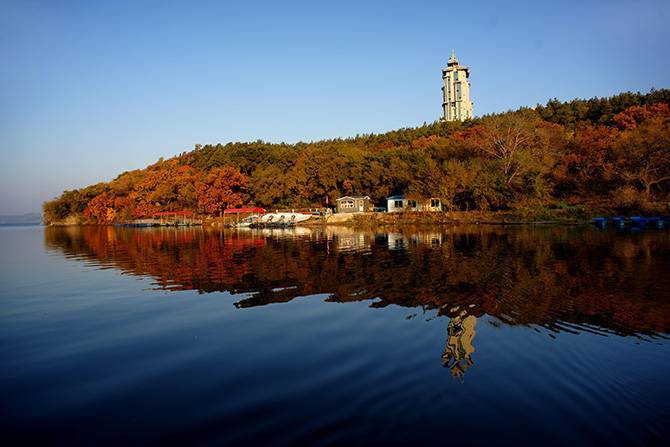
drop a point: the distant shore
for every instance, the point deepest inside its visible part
(20, 219)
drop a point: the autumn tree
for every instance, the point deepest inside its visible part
(101, 208)
(644, 147)
(587, 166)
(222, 188)
(144, 209)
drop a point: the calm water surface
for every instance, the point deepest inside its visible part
(522, 335)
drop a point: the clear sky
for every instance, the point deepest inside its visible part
(89, 89)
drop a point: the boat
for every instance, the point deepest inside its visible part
(139, 223)
(619, 221)
(634, 223)
(280, 220)
(600, 221)
(285, 217)
(638, 221)
(655, 222)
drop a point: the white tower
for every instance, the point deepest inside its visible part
(456, 91)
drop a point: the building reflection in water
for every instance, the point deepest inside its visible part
(349, 240)
(396, 241)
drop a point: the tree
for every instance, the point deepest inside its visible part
(587, 166)
(270, 187)
(644, 146)
(508, 139)
(222, 188)
(101, 208)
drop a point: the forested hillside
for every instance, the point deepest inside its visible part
(605, 154)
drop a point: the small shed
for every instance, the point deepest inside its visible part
(353, 204)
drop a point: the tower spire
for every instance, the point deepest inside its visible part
(452, 60)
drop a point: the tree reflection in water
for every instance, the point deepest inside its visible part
(558, 278)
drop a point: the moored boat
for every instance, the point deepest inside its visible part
(286, 219)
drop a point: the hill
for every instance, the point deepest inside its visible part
(606, 154)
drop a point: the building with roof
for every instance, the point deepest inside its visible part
(353, 204)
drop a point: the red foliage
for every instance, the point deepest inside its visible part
(588, 160)
(634, 116)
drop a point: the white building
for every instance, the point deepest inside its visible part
(395, 204)
(456, 103)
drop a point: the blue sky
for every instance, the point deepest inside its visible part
(90, 89)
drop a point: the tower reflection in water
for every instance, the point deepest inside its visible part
(459, 348)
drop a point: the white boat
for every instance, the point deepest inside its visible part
(284, 218)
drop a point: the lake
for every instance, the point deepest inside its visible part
(530, 335)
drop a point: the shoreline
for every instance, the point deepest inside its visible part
(366, 221)
(371, 220)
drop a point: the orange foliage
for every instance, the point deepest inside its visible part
(144, 209)
(222, 188)
(101, 208)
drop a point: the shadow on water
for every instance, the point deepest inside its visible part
(558, 278)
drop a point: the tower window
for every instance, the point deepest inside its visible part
(456, 76)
